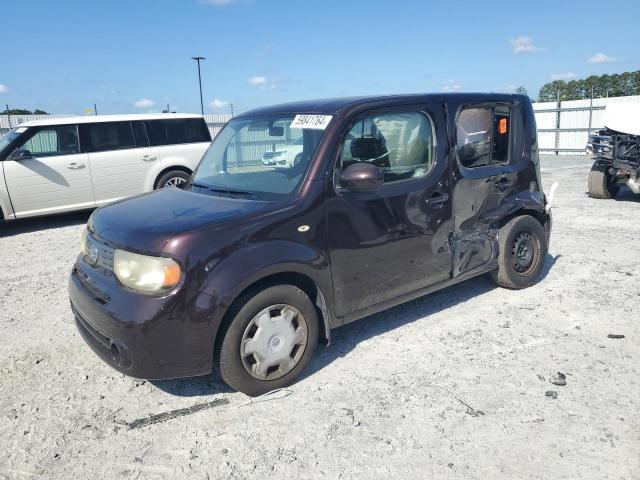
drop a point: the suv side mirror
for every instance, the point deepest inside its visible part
(362, 177)
(20, 155)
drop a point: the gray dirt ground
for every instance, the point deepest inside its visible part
(385, 400)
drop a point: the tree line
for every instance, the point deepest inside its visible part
(22, 111)
(616, 85)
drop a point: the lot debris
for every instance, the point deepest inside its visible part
(470, 410)
(180, 412)
(615, 335)
(559, 379)
(552, 394)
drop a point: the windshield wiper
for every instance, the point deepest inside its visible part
(221, 189)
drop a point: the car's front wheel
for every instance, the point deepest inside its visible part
(269, 340)
(522, 244)
(173, 178)
(601, 183)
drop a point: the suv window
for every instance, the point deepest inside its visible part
(401, 144)
(482, 136)
(50, 141)
(176, 131)
(109, 136)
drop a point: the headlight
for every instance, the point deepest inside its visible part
(144, 273)
(83, 242)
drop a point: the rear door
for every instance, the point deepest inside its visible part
(488, 156)
(395, 240)
(120, 158)
(56, 179)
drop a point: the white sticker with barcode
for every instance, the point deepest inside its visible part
(314, 122)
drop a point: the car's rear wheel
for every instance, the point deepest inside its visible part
(269, 340)
(173, 178)
(601, 183)
(522, 252)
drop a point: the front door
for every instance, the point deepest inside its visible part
(395, 240)
(55, 179)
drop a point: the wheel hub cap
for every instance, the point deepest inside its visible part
(523, 252)
(175, 182)
(274, 341)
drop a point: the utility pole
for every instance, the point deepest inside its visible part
(95, 109)
(8, 116)
(197, 59)
(231, 105)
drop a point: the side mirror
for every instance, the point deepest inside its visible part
(362, 177)
(20, 155)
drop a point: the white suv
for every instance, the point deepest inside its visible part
(66, 164)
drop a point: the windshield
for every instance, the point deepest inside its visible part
(257, 157)
(10, 136)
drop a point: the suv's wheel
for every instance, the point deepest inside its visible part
(269, 341)
(173, 178)
(522, 252)
(600, 182)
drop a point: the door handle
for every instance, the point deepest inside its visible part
(503, 183)
(438, 199)
(147, 158)
(75, 166)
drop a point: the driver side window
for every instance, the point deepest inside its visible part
(51, 141)
(400, 144)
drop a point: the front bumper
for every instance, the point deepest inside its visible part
(139, 335)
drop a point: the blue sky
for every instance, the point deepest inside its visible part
(134, 55)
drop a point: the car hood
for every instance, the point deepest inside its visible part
(145, 223)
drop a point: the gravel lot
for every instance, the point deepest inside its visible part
(385, 400)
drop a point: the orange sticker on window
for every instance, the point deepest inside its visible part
(502, 126)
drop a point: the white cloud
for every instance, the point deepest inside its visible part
(217, 104)
(563, 76)
(3, 88)
(257, 81)
(451, 86)
(144, 103)
(523, 45)
(601, 58)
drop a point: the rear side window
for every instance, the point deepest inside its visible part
(55, 140)
(401, 144)
(107, 136)
(140, 134)
(177, 131)
(483, 136)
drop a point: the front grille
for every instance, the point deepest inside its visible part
(99, 254)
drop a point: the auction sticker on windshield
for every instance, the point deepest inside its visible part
(314, 122)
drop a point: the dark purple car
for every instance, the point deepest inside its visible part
(251, 265)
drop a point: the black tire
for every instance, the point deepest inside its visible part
(173, 176)
(600, 183)
(227, 357)
(519, 237)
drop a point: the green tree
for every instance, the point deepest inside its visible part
(615, 85)
(521, 90)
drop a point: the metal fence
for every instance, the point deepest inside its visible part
(564, 127)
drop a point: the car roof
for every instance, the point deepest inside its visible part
(332, 106)
(106, 118)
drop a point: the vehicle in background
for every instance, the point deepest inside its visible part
(286, 155)
(65, 164)
(616, 152)
(249, 266)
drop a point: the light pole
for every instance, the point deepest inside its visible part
(197, 59)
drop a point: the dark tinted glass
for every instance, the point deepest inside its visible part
(140, 134)
(110, 136)
(176, 131)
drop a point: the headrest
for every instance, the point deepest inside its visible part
(367, 148)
